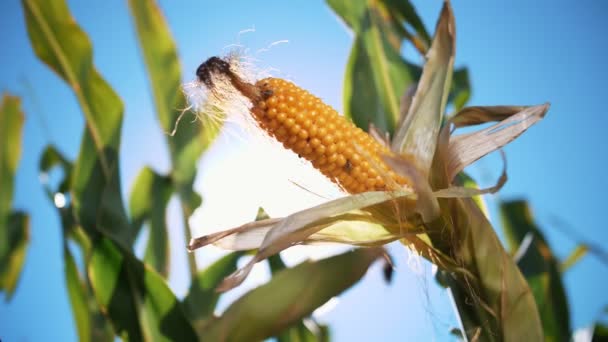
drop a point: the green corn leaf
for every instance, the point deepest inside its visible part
(51, 158)
(352, 12)
(14, 226)
(299, 332)
(95, 186)
(539, 266)
(461, 89)
(600, 333)
(404, 11)
(574, 257)
(492, 296)
(137, 300)
(148, 203)
(11, 124)
(376, 75)
(202, 298)
(465, 180)
(90, 323)
(291, 295)
(16, 231)
(164, 71)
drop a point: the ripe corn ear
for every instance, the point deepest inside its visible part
(304, 124)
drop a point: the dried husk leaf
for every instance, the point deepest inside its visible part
(476, 115)
(465, 149)
(462, 192)
(417, 134)
(296, 228)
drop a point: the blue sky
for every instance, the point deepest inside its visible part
(518, 53)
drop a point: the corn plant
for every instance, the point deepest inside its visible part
(394, 152)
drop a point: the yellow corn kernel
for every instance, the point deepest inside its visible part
(335, 146)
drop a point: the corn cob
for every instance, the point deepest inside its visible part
(343, 152)
(335, 146)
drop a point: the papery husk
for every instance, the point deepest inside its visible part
(467, 148)
(297, 228)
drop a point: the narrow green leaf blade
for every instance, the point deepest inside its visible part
(11, 124)
(14, 225)
(376, 76)
(90, 323)
(539, 266)
(60, 43)
(494, 302)
(136, 299)
(298, 332)
(78, 296)
(17, 232)
(202, 298)
(164, 71)
(291, 295)
(406, 12)
(351, 12)
(148, 203)
(575, 256)
(461, 89)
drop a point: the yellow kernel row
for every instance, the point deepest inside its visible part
(304, 124)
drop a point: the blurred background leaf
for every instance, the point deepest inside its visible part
(136, 299)
(202, 298)
(14, 225)
(306, 330)
(377, 75)
(536, 261)
(60, 43)
(186, 141)
(290, 296)
(149, 198)
(90, 323)
(374, 60)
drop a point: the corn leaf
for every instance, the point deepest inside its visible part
(137, 300)
(404, 11)
(291, 295)
(301, 333)
(51, 158)
(460, 92)
(16, 231)
(376, 75)
(492, 297)
(60, 43)
(148, 203)
(164, 71)
(600, 333)
(11, 124)
(202, 298)
(90, 323)
(539, 266)
(466, 181)
(14, 226)
(574, 257)
(298, 332)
